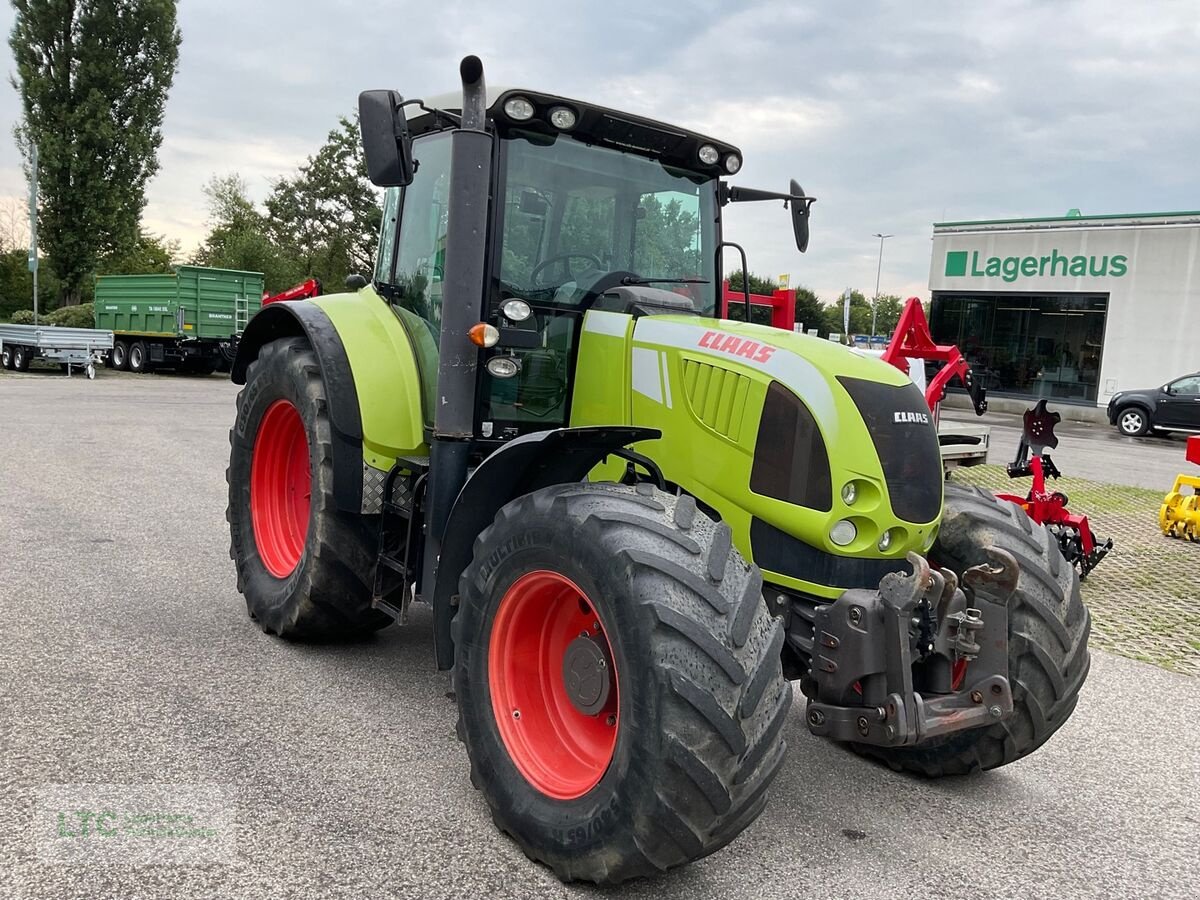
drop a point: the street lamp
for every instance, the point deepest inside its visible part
(879, 268)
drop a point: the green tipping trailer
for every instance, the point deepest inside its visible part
(189, 319)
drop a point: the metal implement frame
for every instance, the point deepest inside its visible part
(71, 346)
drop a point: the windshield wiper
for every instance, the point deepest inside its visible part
(631, 279)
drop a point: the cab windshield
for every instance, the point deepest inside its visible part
(580, 219)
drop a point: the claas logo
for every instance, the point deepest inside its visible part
(735, 346)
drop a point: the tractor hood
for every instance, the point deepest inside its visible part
(824, 462)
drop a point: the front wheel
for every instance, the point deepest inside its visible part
(619, 680)
(120, 356)
(1133, 421)
(6, 357)
(304, 567)
(1048, 628)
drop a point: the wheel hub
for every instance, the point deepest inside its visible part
(586, 675)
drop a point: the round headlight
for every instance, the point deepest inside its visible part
(733, 163)
(843, 533)
(503, 366)
(885, 540)
(849, 493)
(516, 310)
(562, 118)
(708, 155)
(518, 108)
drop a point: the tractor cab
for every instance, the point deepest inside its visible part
(589, 209)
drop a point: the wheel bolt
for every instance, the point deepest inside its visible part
(516, 714)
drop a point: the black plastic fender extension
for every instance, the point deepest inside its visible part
(521, 466)
(298, 318)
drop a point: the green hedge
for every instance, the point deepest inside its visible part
(81, 316)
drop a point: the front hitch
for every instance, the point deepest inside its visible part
(913, 661)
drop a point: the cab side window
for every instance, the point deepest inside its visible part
(1186, 387)
(421, 256)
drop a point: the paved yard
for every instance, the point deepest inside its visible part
(126, 658)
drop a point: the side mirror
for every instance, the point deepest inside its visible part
(355, 282)
(800, 214)
(385, 138)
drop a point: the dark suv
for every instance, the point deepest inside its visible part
(1173, 407)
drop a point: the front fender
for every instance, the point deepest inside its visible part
(521, 466)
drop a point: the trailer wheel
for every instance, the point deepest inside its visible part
(618, 680)
(304, 567)
(1048, 628)
(6, 357)
(22, 358)
(139, 358)
(120, 356)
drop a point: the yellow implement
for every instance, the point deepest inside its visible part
(1179, 515)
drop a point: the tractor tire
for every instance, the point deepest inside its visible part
(304, 567)
(672, 759)
(6, 357)
(1048, 628)
(120, 356)
(139, 358)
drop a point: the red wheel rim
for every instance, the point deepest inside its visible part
(561, 751)
(280, 488)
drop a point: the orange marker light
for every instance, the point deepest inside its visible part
(483, 335)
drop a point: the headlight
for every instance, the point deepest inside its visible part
(843, 533)
(708, 155)
(562, 118)
(503, 366)
(733, 163)
(516, 310)
(518, 108)
(849, 493)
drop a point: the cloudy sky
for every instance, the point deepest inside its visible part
(895, 115)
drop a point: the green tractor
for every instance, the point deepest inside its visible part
(635, 524)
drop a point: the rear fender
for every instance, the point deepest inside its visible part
(521, 466)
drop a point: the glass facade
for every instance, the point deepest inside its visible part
(1026, 345)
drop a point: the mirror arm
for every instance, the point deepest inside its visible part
(731, 194)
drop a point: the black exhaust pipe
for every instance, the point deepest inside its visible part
(462, 306)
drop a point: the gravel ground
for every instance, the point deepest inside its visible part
(126, 658)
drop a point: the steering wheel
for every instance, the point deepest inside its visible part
(562, 258)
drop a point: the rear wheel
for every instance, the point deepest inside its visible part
(139, 358)
(304, 567)
(1133, 421)
(120, 356)
(22, 358)
(618, 679)
(1048, 629)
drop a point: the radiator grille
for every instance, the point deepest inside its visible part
(717, 396)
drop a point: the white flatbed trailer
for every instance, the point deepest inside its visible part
(82, 348)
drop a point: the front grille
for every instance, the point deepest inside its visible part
(906, 442)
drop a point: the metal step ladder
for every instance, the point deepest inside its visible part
(241, 313)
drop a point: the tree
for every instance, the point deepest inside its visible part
(810, 311)
(151, 254)
(93, 76)
(887, 313)
(238, 238)
(758, 284)
(327, 216)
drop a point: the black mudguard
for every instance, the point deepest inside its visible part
(526, 464)
(303, 318)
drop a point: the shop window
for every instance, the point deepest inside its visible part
(1033, 345)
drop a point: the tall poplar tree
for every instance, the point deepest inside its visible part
(93, 76)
